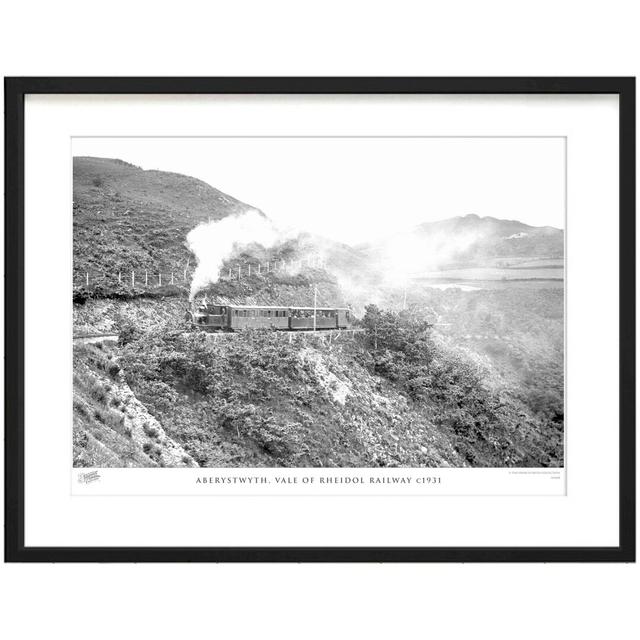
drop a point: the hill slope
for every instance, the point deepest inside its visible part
(127, 218)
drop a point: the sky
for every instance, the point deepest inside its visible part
(360, 189)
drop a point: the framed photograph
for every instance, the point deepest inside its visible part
(320, 319)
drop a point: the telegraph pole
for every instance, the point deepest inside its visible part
(315, 305)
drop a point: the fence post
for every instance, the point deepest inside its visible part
(249, 269)
(119, 277)
(258, 268)
(172, 277)
(146, 278)
(133, 278)
(239, 272)
(159, 279)
(87, 278)
(229, 274)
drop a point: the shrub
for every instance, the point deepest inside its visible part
(150, 430)
(128, 333)
(113, 369)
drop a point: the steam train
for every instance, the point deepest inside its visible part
(212, 317)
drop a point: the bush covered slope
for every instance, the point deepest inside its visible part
(396, 395)
(257, 399)
(127, 218)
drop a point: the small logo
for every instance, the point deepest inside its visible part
(87, 478)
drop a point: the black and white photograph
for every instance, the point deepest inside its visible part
(319, 302)
(321, 319)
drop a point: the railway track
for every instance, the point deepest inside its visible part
(328, 334)
(331, 334)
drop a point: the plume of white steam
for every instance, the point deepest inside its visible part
(214, 242)
(411, 254)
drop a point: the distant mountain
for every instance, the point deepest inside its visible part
(466, 240)
(127, 218)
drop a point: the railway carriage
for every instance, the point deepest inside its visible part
(212, 317)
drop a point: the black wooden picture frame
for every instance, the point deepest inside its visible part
(15, 91)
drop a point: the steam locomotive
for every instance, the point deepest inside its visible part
(212, 317)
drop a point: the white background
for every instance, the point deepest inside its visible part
(331, 38)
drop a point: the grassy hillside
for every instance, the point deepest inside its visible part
(111, 427)
(126, 218)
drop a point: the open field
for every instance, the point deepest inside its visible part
(474, 284)
(547, 272)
